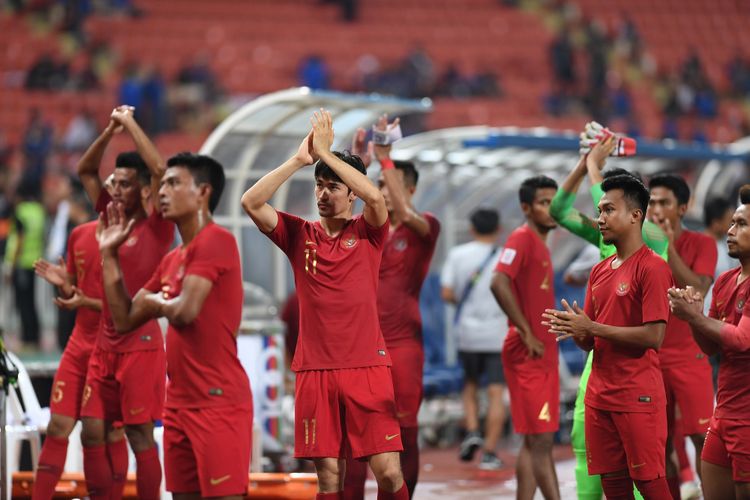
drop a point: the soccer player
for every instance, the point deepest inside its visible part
(523, 285)
(123, 362)
(725, 461)
(589, 487)
(685, 368)
(344, 391)
(623, 321)
(406, 260)
(80, 283)
(480, 326)
(198, 288)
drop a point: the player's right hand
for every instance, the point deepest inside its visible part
(54, 274)
(114, 230)
(533, 345)
(322, 125)
(359, 148)
(305, 153)
(601, 151)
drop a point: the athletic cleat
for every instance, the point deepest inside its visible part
(469, 446)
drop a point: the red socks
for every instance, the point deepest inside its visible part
(97, 471)
(354, 482)
(656, 489)
(338, 495)
(50, 468)
(617, 488)
(401, 494)
(673, 483)
(117, 453)
(410, 457)
(148, 474)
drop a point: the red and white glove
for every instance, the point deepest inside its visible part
(595, 132)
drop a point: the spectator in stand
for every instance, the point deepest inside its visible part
(37, 146)
(314, 73)
(563, 60)
(80, 133)
(47, 73)
(198, 72)
(154, 110)
(738, 73)
(131, 88)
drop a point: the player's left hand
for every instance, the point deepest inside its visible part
(382, 151)
(322, 125)
(113, 231)
(571, 322)
(685, 303)
(73, 302)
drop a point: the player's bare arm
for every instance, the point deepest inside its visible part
(183, 309)
(375, 212)
(687, 305)
(503, 292)
(123, 116)
(574, 322)
(394, 181)
(255, 200)
(596, 160)
(127, 314)
(88, 165)
(572, 182)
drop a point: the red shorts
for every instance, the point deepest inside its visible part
(617, 441)
(70, 379)
(690, 393)
(728, 445)
(354, 404)
(125, 386)
(534, 397)
(408, 363)
(208, 450)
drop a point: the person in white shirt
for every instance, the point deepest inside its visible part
(480, 327)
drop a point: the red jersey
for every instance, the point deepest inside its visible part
(202, 365)
(337, 280)
(406, 261)
(526, 261)
(139, 257)
(729, 303)
(85, 263)
(627, 378)
(699, 253)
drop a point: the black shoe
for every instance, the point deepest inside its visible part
(469, 446)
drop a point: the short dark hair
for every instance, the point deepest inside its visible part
(485, 220)
(527, 191)
(131, 159)
(612, 171)
(411, 175)
(205, 170)
(633, 190)
(674, 183)
(323, 171)
(715, 208)
(745, 194)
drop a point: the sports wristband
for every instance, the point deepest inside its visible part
(387, 164)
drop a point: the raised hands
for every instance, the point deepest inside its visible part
(359, 148)
(570, 322)
(685, 303)
(305, 153)
(383, 151)
(322, 131)
(114, 229)
(601, 151)
(54, 274)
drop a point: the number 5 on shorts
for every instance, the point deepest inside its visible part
(57, 391)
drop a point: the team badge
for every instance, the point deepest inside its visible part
(349, 241)
(740, 304)
(400, 245)
(622, 289)
(131, 241)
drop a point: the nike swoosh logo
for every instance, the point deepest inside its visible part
(402, 414)
(136, 411)
(702, 421)
(635, 466)
(220, 480)
(388, 438)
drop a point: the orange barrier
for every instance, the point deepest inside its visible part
(266, 486)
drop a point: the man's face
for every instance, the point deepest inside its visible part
(334, 198)
(179, 195)
(127, 190)
(738, 235)
(408, 190)
(616, 217)
(538, 211)
(663, 205)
